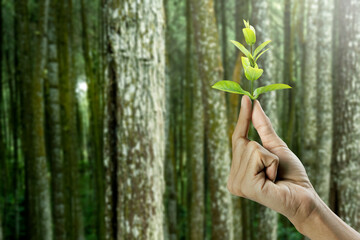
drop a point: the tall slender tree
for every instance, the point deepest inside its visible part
(195, 140)
(217, 151)
(134, 130)
(288, 111)
(37, 182)
(346, 141)
(309, 92)
(53, 127)
(96, 123)
(324, 98)
(267, 218)
(69, 135)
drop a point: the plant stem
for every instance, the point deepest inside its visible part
(252, 87)
(252, 82)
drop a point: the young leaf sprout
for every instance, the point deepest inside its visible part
(251, 69)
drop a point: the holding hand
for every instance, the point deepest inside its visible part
(272, 175)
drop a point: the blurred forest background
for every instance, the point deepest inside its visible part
(109, 128)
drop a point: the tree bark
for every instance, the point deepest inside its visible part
(53, 127)
(96, 125)
(217, 151)
(195, 141)
(136, 82)
(288, 97)
(346, 141)
(309, 140)
(37, 182)
(324, 99)
(170, 198)
(70, 143)
(267, 227)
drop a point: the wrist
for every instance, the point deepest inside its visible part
(323, 224)
(310, 216)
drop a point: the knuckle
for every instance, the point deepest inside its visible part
(276, 159)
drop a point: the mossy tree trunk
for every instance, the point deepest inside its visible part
(195, 140)
(134, 129)
(288, 97)
(70, 143)
(95, 95)
(217, 143)
(267, 228)
(346, 141)
(324, 98)
(309, 121)
(37, 181)
(53, 127)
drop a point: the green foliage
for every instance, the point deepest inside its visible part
(251, 69)
(253, 73)
(261, 47)
(271, 87)
(230, 86)
(241, 47)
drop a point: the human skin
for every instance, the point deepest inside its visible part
(273, 176)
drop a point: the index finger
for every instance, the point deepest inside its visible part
(243, 123)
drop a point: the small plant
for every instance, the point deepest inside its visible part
(251, 69)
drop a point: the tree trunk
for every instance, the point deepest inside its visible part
(68, 123)
(37, 182)
(309, 131)
(224, 40)
(170, 198)
(134, 146)
(96, 125)
(53, 127)
(324, 99)
(346, 141)
(195, 141)
(267, 228)
(288, 97)
(217, 151)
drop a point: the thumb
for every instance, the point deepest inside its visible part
(263, 126)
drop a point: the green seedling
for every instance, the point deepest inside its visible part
(251, 69)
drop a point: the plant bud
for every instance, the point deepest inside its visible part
(250, 36)
(249, 33)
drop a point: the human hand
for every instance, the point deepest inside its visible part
(269, 174)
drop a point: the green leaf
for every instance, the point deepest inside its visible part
(261, 47)
(241, 48)
(249, 34)
(253, 74)
(269, 88)
(261, 54)
(230, 86)
(245, 62)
